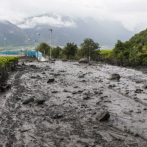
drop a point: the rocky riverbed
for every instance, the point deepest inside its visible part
(59, 105)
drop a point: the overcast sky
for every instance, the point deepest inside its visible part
(129, 12)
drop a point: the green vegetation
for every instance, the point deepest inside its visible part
(44, 48)
(105, 54)
(56, 52)
(71, 51)
(6, 64)
(90, 49)
(6, 61)
(129, 53)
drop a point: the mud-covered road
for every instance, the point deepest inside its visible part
(68, 115)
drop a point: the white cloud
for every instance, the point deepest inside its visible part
(58, 22)
(129, 12)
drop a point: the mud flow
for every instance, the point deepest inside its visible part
(59, 105)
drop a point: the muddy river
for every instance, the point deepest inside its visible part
(58, 105)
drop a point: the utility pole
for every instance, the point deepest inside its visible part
(5, 44)
(50, 43)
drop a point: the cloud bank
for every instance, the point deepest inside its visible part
(58, 22)
(129, 12)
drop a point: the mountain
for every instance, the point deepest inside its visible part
(69, 29)
(64, 29)
(11, 35)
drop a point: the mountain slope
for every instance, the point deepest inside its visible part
(12, 35)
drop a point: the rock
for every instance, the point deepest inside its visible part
(56, 74)
(74, 92)
(50, 80)
(83, 60)
(17, 98)
(81, 76)
(27, 101)
(8, 86)
(138, 111)
(40, 101)
(3, 88)
(54, 91)
(86, 97)
(144, 86)
(103, 115)
(138, 90)
(114, 76)
(57, 116)
(33, 66)
(65, 90)
(64, 59)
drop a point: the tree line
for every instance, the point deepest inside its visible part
(88, 49)
(129, 53)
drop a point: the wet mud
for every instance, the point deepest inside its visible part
(59, 104)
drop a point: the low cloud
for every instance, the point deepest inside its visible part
(129, 12)
(46, 20)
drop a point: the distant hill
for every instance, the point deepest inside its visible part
(11, 35)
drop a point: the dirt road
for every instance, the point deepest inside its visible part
(72, 96)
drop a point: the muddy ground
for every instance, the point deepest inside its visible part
(71, 103)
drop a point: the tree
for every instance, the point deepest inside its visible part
(119, 47)
(56, 52)
(44, 48)
(70, 50)
(90, 49)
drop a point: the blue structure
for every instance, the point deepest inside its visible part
(26, 53)
(39, 55)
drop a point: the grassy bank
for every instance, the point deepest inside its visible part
(6, 64)
(106, 54)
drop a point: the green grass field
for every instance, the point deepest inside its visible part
(105, 53)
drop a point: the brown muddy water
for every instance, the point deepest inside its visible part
(63, 111)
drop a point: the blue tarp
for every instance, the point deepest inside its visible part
(39, 55)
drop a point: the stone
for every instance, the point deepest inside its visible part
(64, 59)
(40, 101)
(27, 101)
(51, 80)
(138, 90)
(54, 91)
(114, 77)
(84, 60)
(144, 86)
(103, 115)
(86, 97)
(57, 116)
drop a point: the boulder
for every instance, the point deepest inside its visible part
(57, 116)
(84, 60)
(138, 90)
(103, 115)
(40, 101)
(50, 80)
(27, 101)
(64, 59)
(144, 86)
(114, 76)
